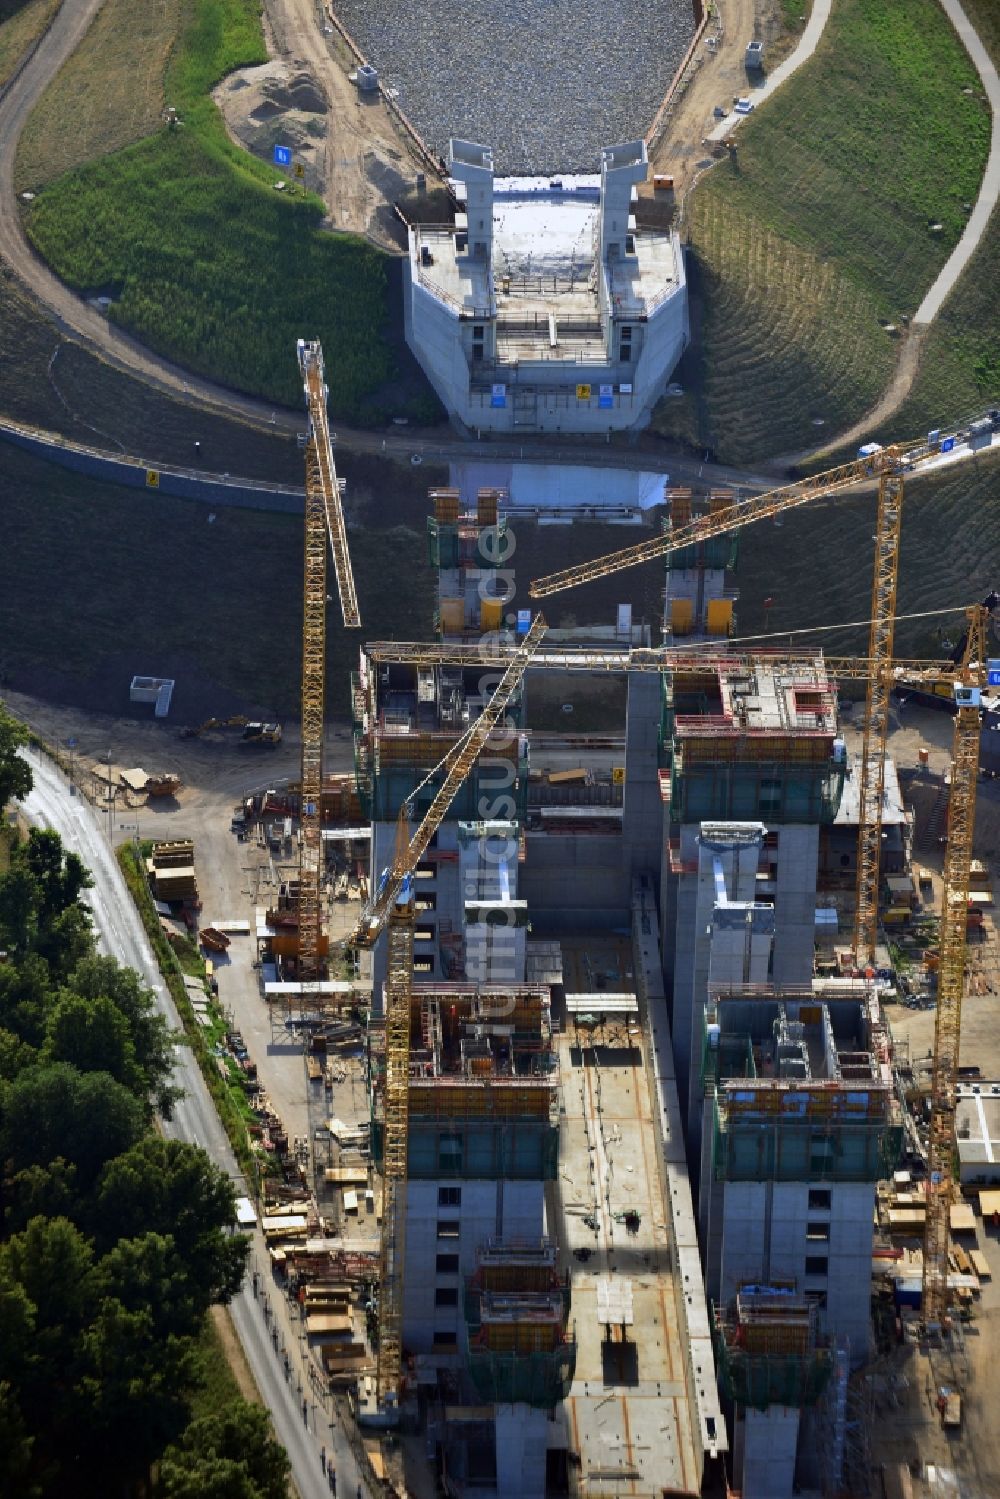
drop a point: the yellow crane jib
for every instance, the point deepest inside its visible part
(321, 474)
(456, 766)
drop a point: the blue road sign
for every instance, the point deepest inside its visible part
(993, 672)
(947, 445)
(282, 156)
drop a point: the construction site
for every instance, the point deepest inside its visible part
(603, 1157)
(594, 1146)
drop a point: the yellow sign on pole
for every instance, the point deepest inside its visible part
(583, 392)
(152, 478)
(617, 775)
(300, 170)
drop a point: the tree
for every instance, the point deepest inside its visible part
(15, 1055)
(102, 1381)
(15, 1448)
(232, 1456)
(93, 1036)
(52, 1111)
(167, 1187)
(15, 773)
(40, 906)
(25, 993)
(42, 1191)
(101, 982)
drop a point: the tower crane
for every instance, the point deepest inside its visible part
(966, 679)
(969, 678)
(324, 522)
(392, 903)
(888, 466)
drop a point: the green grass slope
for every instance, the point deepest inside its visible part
(204, 260)
(824, 229)
(959, 370)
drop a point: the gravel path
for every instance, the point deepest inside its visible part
(545, 83)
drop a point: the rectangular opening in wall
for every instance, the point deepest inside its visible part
(446, 1296)
(446, 1264)
(423, 965)
(449, 1197)
(818, 1233)
(816, 1264)
(450, 1153)
(819, 1199)
(445, 1342)
(448, 1229)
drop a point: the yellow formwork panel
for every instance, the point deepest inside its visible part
(720, 616)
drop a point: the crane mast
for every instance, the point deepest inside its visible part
(876, 722)
(324, 522)
(398, 985)
(951, 970)
(393, 904)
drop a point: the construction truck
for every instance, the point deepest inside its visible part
(262, 733)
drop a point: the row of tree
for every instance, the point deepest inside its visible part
(114, 1242)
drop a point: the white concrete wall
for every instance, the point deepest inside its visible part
(795, 903)
(575, 882)
(433, 332)
(765, 1234)
(522, 1442)
(769, 1440)
(488, 1209)
(542, 396)
(668, 333)
(642, 808)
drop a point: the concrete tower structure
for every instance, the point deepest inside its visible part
(544, 307)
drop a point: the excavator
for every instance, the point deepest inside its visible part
(255, 731)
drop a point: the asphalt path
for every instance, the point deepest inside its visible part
(260, 1311)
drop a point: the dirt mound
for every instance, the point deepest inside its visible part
(278, 104)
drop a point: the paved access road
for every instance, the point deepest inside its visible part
(54, 804)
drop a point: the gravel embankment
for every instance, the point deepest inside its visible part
(546, 83)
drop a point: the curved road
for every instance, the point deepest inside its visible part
(53, 803)
(77, 319)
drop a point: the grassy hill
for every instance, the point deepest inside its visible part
(184, 231)
(847, 194)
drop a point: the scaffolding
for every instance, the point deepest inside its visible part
(767, 1349)
(519, 1344)
(395, 1093)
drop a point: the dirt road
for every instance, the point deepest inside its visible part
(717, 75)
(361, 136)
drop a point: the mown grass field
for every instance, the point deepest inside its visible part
(206, 262)
(100, 582)
(20, 25)
(823, 229)
(109, 93)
